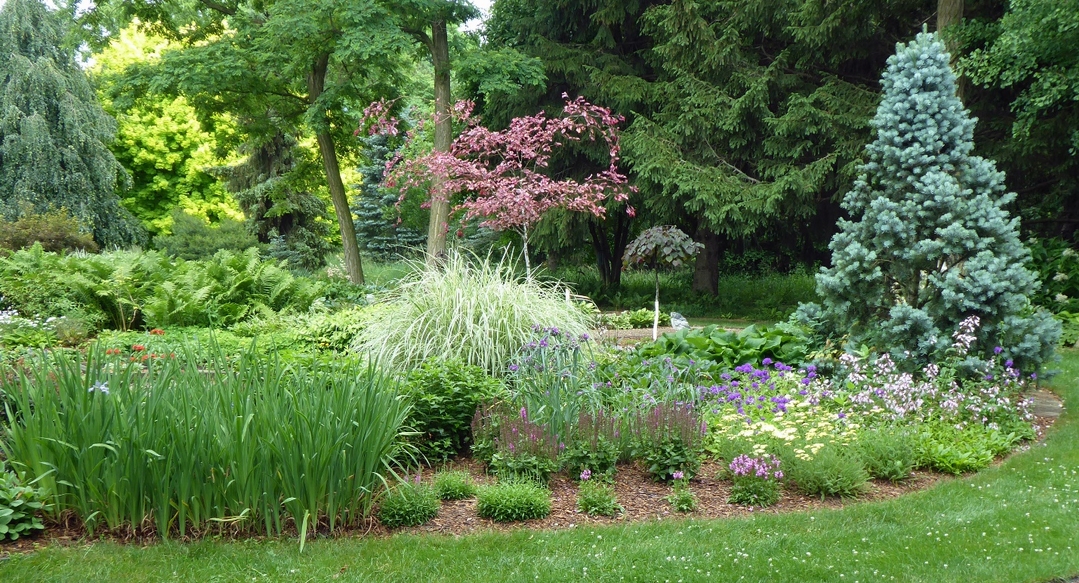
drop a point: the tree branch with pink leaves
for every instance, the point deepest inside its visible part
(503, 175)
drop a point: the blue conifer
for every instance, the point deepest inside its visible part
(929, 241)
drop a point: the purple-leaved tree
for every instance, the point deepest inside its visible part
(502, 174)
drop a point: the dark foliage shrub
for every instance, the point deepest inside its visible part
(55, 230)
(194, 238)
(445, 395)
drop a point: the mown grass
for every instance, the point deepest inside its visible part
(1017, 521)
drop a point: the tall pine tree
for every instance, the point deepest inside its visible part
(929, 242)
(53, 133)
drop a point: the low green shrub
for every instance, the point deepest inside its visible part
(595, 498)
(125, 290)
(783, 343)
(20, 506)
(512, 500)
(193, 238)
(594, 444)
(444, 395)
(454, 485)
(887, 452)
(831, 472)
(945, 448)
(408, 504)
(629, 320)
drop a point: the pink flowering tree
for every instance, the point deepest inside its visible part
(503, 175)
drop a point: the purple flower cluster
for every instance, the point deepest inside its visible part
(765, 467)
(940, 392)
(754, 392)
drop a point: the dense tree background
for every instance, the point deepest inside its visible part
(745, 120)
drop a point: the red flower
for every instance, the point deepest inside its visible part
(157, 332)
(138, 347)
(111, 351)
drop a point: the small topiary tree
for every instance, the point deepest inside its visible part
(663, 246)
(929, 242)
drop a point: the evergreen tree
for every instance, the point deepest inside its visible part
(929, 242)
(269, 187)
(53, 133)
(377, 227)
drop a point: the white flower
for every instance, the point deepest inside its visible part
(1060, 277)
(1061, 298)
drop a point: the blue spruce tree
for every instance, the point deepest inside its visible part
(377, 228)
(929, 241)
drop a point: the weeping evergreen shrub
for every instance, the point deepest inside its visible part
(929, 241)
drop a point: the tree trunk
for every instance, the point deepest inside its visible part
(440, 205)
(950, 13)
(524, 251)
(608, 257)
(706, 266)
(316, 82)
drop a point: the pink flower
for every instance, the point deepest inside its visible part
(677, 475)
(585, 475)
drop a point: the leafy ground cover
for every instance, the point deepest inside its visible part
(1013, 522)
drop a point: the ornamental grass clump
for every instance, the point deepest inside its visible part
(410, 503)
(472, 309)
(755, 480)
(512, 500)
(174, 446)
(454, 485)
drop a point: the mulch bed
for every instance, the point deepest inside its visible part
(645, 500)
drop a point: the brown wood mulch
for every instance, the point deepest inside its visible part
(642, 499)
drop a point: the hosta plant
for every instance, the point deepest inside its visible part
(20, 506)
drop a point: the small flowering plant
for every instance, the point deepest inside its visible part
(957, 390)
(596, 498)
(519, 447)
(755, 480)
(553, 377)
(681, 497)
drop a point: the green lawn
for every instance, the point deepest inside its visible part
(1015, 522)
